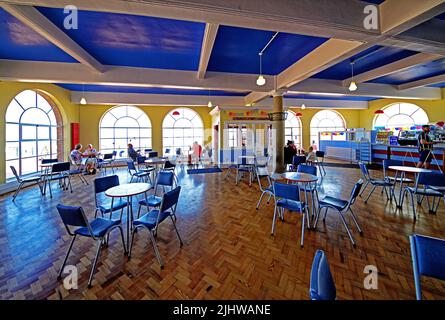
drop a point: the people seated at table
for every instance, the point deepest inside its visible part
(311, 156)
(85, 158)
(290, 150)
(132, 152)
(425, 144)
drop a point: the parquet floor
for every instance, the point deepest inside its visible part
(228, 252)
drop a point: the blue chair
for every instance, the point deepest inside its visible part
(262, 173)
(428, 257)
(22, 181)
(101, 185)
(312, 187)
(320, 163)
(342, 207)
(98, 230)
(141, 176)
(287, 197)
(152, 219)
(322, 283)
(164, 179)
(60, 172)
(244, 165)
(106, 161)
(296, 161)
(431, 182)
(375, 183)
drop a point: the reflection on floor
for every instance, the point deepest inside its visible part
(228, 252)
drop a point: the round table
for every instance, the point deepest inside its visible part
(307, 180)
(128, 191)
(403, 171)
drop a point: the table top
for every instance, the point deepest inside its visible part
(128, 190)
(156, 160)
(48, 165)
(409, 169)
(296, 177)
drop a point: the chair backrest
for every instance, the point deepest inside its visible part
(319, 154)
(364, 170)
(46, 161)
(147, 150)
(16, 175)
(168, 165)
(152, 154)
(121, 153)
(72, 216)
(108, 156)
(165, 178)
(131, 166)
(322, 284)
(434, 179)
(262, 172)
(61, 167)
(114, 154)
(286, 191)
(303, 168)
(170, 199)
(355, 192)
(141, 159)
(297, 160)
(428, 257)
(178, 151)
(102, 184)
(167, 151)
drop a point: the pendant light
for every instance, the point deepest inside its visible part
(261, 81)
(353, 84)
(83, 101)
(210, 105)
(303, 106)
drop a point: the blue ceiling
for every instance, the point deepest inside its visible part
(374, 1)
(19, 42)
(369, 59)
(119, 89)
(438, 85)
(236, 50)
(418, 72)
(135, 41)
(441, 16)
(315, 97)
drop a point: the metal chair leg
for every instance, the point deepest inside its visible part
(274, 219)
(99, 246)
(131, 242)
(355, 221)
(413, 206)
(16, 193)
(364, 188)
(259, 201)
(121, 231)
(370, 193)
(66, 258)
(303, 222)
(155, 247)
(347, 228)
(177, 232)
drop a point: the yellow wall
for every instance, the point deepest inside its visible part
(90, 116)
(69, 112)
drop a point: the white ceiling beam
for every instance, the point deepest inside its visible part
(374, 90)
(60, 72)
(422, 82)
(208, 41)
(40, 24)
(321, 58)
(394, 67)
(115, 98)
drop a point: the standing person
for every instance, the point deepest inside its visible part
(425, 144)
(131, 152)
(196, 152)
(290, 150)
(314, 146)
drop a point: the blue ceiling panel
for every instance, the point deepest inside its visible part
(315, 97)
(366, 60)
(441, 16)
(438, 85)
(374, 1)
(149, 90)
(236, 50)
(418, 72)
(135, 41)
(19, 42)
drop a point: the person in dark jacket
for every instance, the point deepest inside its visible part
(131, 152)
(290, 150)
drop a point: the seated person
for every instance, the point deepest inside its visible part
(131, 152)
(311, 157)
(76, 154)
(290, 150)
(91, 154)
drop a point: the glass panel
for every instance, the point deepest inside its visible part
(120, 133)
(52, 118)
(35, 116)
(29, 165)
(12, 132)
(144, 121)
(108, 120)
(44, 148)
(43, 104)
(106, 133)
(119, 112)
(127, 122)
(14, 112)
(121, 144)
(43, 133)
(28, 149)
(54, 133)
(27, 99)
(28, 132)
(12, 150)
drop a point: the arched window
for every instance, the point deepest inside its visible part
(400, 116)
(123, 125)
(182, 127)
(31, 132)
(293, 129)
(326, 120)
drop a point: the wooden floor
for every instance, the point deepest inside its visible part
(228, 252)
